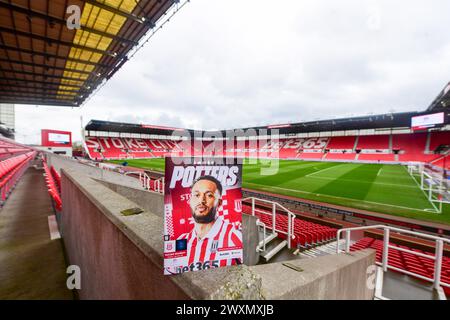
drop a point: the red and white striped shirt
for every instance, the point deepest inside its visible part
(221, 246)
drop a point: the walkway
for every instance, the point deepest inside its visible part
(31, 265)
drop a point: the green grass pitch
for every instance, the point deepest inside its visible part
(375, 187)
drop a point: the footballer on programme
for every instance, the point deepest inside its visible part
(213, 241)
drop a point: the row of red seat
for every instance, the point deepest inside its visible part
(407, 261)
(11, 170)
(9, 148)
(411, 147)
(52, 186)
(9, 164)
(305, 232)
(56, 177)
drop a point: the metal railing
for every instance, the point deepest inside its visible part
(126, 173)
(291, 217)
(261, 224)
(145, 180)
(158, 185)
(437, 258)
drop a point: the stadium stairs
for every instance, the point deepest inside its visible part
(407, 261)
(306, 234)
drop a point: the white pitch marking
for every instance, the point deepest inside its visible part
(323, 170)
(330, 196)
(358, 181)
(379, 171)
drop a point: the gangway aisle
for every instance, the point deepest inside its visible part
(31, 265)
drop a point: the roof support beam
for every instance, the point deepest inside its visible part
(50, 19)
(45, 66)
(49, 55)
(42, 75)
(51, 41)
(42, 82)
(40, 102)
(141, 20)
(38, 89)
(40, 98)
(33, 95)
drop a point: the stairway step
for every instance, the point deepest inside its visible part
(267, 240)
(275, 250)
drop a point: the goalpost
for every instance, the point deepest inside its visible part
(433, 181)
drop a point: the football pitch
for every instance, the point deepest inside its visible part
(375, 187)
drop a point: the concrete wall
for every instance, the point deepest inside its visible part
(60, 162)
(154, 202)
(121, 257)
(331, 277)
(147, 200)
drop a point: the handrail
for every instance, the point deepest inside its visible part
(131, 172)
(291, 217)
(159, 185)
(262, 224)
(145, 180)
(437, 258)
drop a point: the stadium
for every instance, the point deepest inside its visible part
(344, 208)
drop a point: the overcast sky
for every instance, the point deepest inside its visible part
(224, 64)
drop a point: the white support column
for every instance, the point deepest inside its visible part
(438, 263)
(385, 249)
(273, 217)
(347, 241)
(337, 242)
(253, 206)
(289, 235)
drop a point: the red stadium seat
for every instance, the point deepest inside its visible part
(376, 142)
(410, 147)
(405, 260)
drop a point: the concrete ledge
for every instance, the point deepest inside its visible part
(121, 257)
(341, 277)
(62, 162)
(114, 250)
(147, 200)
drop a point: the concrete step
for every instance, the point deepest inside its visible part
(275, 250)
(267, 240)
(325, 249)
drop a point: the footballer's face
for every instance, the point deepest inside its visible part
(204, 201)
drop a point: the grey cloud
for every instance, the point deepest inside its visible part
(227, 64)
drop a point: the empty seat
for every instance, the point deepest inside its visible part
(405, 260)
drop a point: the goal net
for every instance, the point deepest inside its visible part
(434, 183)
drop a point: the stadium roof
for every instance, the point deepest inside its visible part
(442, 100)
(382, 121)
(109, 126)
(43, 62)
